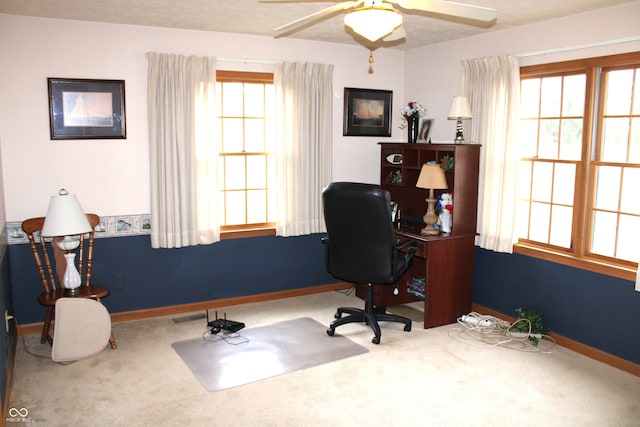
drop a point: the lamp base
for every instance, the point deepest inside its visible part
(429, 231)
(71, 292)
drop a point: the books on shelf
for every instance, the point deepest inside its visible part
(417, 286)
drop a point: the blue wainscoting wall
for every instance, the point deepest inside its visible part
(597, 310)
(166, 277)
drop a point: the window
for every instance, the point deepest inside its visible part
(580, 163)
(247, 164)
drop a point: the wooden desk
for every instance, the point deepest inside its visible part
(447, 265)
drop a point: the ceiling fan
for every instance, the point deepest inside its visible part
(378, 19)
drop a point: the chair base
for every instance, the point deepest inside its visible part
(370, 315)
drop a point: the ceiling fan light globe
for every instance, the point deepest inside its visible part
(373, 23)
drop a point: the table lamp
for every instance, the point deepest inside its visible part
(431, 178)
(460, 110)
(65, 218)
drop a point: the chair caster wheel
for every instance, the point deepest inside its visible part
(337, 316)
(376, 340)
(407, 328)
(331, 331)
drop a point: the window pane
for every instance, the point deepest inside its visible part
(549, 130)
(254, 100)
(629, 200)
(232, 136)
(542, 179)
(231, 100)
(528, 138)
(524, 181)
(619, 89)
(571, 141)
(551, 95)
(529, 97)
(254, 135)
(270, 101)
(573, 96)
(607, 187)
(235, 208)
(256, 206)
(564, 180)
(636, 95)
(271, 205)
(628, 238)
(614, 144)
(561, 223)
(234, 177)
(539, 228)
(634, 143)
(256, 171)
(604, 233)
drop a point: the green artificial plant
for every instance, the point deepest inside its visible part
(537, 327)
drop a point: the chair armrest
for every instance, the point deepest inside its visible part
(412, 246)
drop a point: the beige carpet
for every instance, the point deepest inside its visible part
(421, 378)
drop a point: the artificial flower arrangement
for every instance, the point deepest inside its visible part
(444, 202)
(412, 108)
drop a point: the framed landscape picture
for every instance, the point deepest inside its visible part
(367, 112)
(86, 109)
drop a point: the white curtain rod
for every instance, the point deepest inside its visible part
(583, 46)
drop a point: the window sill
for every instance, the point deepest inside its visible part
(621, 272)
(243, 233)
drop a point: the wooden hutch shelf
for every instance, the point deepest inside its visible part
(443, 263)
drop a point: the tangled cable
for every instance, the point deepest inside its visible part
(233, 338)
(485, 331)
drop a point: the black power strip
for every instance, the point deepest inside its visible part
(223, 324)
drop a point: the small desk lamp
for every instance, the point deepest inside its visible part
(432, 178)
(460, 110)
(66, 218)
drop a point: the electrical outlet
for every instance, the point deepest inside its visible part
(7, 317)
(118, 281)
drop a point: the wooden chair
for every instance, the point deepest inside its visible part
(49, 259)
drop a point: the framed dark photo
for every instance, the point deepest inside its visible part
(86, 109)
(367, 112)
(425, 130)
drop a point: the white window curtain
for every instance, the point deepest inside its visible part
(182, 143)
(493, 87)
(304, 96)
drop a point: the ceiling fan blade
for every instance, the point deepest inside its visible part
(317, 16)
(397, 34)
(476, 13)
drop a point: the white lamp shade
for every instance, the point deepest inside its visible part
(432, 177)
(373, 22)
(460, 108)
(65, 216)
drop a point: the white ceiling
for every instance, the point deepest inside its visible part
(253, 17)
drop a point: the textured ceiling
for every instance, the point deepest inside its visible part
(253, 17)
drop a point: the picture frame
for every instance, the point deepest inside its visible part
(367, 112)
(425, 130)
(86, 109)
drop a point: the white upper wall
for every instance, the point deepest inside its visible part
(432, 73)
(111, 177)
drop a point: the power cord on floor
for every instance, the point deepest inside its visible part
(232, 338)
(41, 356)
(347, 291)
(484, 331)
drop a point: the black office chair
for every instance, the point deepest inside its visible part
(361, 247)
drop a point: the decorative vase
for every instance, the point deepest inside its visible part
(412, 127)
